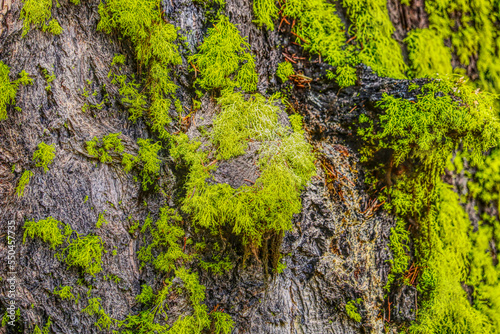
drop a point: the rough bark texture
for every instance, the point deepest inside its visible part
(336, 252)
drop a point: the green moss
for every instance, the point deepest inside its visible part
(44, 155)
(223, 324)
(470, 26)
(423, 134)
(284, 70)
(447, 113)
(128, 161)
(346, 76)
(319, 29)
(219, 266)
(101, 220)
(35, 12)
(352, 310)
(486, 185)
(85, 252)
(104, 321)
(427, 53)
(53, 27)
(166, 240)
(285, 162)
(297, 123)
(153, 39)
(224, 59)
(49, 230)
(443, 255)
(44, 330)
(373, 30)
(8, 89)
(100, 148)
(146, 296)
(196, 322)
(398, 242)
(23, 182)
(64, 292)
(265, 12)
(148, 156)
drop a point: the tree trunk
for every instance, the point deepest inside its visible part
(336, 252)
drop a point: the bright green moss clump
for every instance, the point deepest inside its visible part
(487, 184)
(224, 59)
(166, 236)
(148, 155)
(100, 148)
(37, 12)
(373, 30)
(447, 113)
(284, 70)
(44, 155)
(23, 182)
(444, 256)
(471, 27)
(265, 12)
(53, 27)
(319, 29)
(64, 292)
(85, 252)
(352, 310)
(285, 162)
(49, 230)
(8, 89)
(399, 241)
(197, 322)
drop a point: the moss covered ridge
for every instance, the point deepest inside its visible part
(285, 162)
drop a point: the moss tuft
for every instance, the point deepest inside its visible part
(64, 292)
(8, 89)
(85, 252)
(100, 148)
(35, 12)
(23, 182)
(265, 12)
(284, 70)
(44, 155)
(285, 162)
(224, 59)
(49, 230)
(352, 310)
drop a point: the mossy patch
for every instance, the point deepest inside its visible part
(44, 156)
(8, 88)
(285, 162)
(224, 59)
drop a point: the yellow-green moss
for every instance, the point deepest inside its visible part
(44, 155)
(224, 59)
(284, 70)
(8, 89)
(153, 39)
(286, 165)
(23, 182)
(49, 230)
